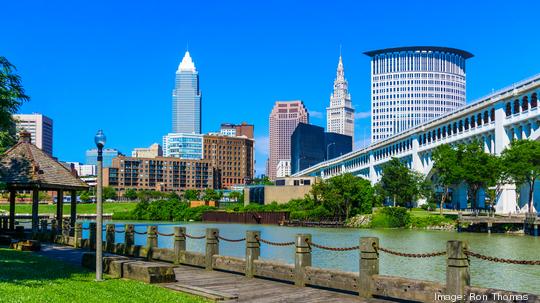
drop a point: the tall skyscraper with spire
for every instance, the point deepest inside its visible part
(186, 111)
(340, 113)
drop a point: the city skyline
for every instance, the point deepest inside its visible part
(86, 46)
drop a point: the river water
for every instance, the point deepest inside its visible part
(524, 278)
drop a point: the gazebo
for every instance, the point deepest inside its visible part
(26, 167)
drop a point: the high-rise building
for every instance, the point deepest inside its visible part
(232, 159)
(152, 151)
(186, 112)
(310, 145)
(239, 130)
(40, 128)
(340, 113)
(160, 173)
(108, 155)
(84, 170)
(410, 85)
(283, 168)
(185, 146)
(284, 118)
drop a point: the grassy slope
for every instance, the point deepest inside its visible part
(26, 277)
(82, 208)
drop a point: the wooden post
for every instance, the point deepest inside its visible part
(59, 208)
(179, 244)
(92, 237)
(129, 238)
(109, 238)
(369, 265)
(73, 209)
(212, 246)
(253, 251)
(151, 236)
(54, 229)
(302, 258)
(77, 234)
(65, 232)
(12, 195)
(457, 268)
(35, 211)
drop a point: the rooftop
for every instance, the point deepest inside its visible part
(460, 52)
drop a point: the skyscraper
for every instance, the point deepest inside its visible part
(187, 114)
(284, 118)
(410, 85)
(340, 113)
(40, 128)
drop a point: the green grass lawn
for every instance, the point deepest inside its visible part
(82, 208)
(27, 277)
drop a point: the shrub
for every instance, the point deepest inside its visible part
(431, 220)
(391, 217)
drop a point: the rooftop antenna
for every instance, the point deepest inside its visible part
(187, 46)
(340, 49)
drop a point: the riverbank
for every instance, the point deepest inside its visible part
(28, 277)
(82, 208)
(397, 217)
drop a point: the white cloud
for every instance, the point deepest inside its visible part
(362, 115)
(315, 114)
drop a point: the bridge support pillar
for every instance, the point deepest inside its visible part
(109, 238)
(489, 227)
(179, 244)
(253, 251)
(212, 246)
(457, 268)
(369, 265)
(302, 258)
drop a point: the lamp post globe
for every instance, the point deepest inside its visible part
(100, 140)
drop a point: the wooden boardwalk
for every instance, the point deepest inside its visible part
(223, 286)
(231, 287)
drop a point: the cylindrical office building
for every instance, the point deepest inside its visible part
(410, 85)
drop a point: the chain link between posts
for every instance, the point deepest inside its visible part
(193, 237)
(229, 240)
(309, 243)
(501, 260)
(408, 255)
(273, 243)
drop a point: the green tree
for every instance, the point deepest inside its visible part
(12, 96)
(400, 184)
(191, 195)
(521, 164)
(345, 195)
(236, 196)
(263, 181)
(85, 196)
(211, 195)
(109, 193)
(479, 169)
(130, 194)
(447, 169)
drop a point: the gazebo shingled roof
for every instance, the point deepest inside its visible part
(25, 166)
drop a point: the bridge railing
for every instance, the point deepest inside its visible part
(366, 282)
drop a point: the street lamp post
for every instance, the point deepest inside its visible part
(100, 142)
(327, 152)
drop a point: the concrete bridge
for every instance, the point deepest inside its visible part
(495, 120)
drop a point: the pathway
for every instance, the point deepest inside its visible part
(224, 286)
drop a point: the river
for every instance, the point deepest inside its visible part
(524, 278)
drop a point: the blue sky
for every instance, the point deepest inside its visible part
(111, 64)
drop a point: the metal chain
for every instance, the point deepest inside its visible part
(274, 243)
(501, 260)
(231, 240)
(408, 255)
(331, 248)
(194, 237)
(119, 231)
(86, 228)
(140, 233)
(164, 235)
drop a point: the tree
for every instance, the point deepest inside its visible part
(191, 194)
(521, 163)
(109, 193)
(478, 168)
(400, 183)
(236, 196)
(211, 195)
(263, 181)
(447, 168)
(12, 96)
(85, 196)
(130, 194)
(345, 194)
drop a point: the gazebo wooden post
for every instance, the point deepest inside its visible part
(73, 212)
(35, 211)
(12, 194)
(59, 208)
